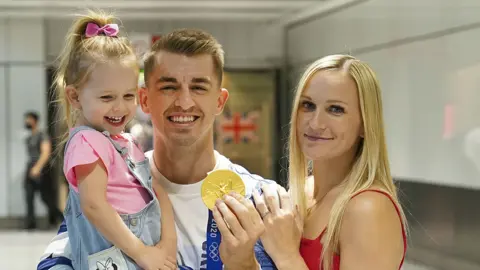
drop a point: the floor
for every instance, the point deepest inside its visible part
(21, 250)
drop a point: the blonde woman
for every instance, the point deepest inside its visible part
(346, 214)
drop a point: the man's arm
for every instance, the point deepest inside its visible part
(45, 152)
(56, 256)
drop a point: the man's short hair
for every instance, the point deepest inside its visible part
(189, 42)
(33, 115)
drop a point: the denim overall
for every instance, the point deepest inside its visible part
(89, 249)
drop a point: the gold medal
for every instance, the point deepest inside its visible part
(219, 183)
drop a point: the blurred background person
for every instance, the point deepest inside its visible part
(37, 176)
(141, 126)
(141, 129)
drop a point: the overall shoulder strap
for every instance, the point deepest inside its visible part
(120, 149)
(72, 133)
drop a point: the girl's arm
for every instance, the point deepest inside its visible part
(92, 186)
(168, 233)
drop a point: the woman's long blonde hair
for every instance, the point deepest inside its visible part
(79, 57)
(371, 165)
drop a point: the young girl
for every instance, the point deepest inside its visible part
(112, 212)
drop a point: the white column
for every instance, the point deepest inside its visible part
(3, 122)
(26, 90)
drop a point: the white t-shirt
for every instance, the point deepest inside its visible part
(191, 218)
(191, 214)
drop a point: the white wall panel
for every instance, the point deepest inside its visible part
(375, 22)
(26, 92)
(22, 88)
(3, 121)
(26, 40)
(3, 145)
(425, 55)
(3, 40)
(246, 44)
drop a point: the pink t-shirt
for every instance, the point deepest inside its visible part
(124, 191)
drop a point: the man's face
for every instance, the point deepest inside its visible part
(183, 96)
(30, 122)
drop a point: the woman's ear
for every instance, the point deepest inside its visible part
(362, 131)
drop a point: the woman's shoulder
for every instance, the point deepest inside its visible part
(371, 224)
(372, 208)
(373, 200)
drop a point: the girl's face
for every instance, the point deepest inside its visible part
(107, 100)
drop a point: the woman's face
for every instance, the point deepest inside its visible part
(329, 122)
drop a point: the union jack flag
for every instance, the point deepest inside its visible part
(238, 127)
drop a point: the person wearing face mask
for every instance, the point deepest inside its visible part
(36, 178)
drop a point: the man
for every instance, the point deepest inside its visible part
(183, 94)
(36, 175)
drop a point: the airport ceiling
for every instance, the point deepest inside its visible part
(275, 11)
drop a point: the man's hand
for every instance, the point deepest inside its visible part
(45, 152)
(240, 226)
(35, 172)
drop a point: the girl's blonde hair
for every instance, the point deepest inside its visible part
(82, 54)
(371, 165)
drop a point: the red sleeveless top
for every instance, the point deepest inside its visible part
(311, 250)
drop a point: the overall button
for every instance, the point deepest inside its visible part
(133, 222)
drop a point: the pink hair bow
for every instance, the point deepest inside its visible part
(93, 29)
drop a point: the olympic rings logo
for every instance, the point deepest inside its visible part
(213, 252)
